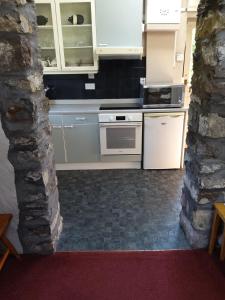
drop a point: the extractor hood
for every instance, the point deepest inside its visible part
(119, 28)
(120, 52)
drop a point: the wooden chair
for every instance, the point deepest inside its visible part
(5, 220)
(219, 216)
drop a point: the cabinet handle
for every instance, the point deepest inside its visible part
(80, 119)
(56, 126)
(103, 45)
(163, 123)
(68, 126)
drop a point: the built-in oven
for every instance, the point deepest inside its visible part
(120, 133)
(162, 95)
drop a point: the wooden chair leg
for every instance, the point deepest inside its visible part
(222, 251)
(3, 259)
(215, 227)
(11, 248)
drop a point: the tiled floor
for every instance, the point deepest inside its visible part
(121, 210)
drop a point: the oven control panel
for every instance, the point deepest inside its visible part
(120, 117)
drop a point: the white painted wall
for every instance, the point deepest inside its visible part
(161, 50)
(8, 200)
(193, 4)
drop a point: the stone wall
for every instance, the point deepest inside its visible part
(204, 181)
(24, 114)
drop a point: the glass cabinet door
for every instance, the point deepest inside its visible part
(47, 34)
(76, 34)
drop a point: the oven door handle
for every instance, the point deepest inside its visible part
(120, 124)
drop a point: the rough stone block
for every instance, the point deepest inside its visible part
(202, 219)
(31, 83)
(213, 181)
(15, 54)
(211, 165)
(212, 126)
(14, 21)
(197, 239)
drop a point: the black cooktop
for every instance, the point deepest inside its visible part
(121, 106)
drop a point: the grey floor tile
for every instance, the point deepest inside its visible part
(121, 210)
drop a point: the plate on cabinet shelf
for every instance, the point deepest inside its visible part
(79, 8)
(77, 26)
(47, 48)
(45, 27)
(78, 47)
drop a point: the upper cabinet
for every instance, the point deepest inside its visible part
(119, 27)
(48, 35)
(67, 36)
(163, 12)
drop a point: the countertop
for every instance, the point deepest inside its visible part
(93, 107)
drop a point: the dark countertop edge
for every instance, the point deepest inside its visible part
(98, 111)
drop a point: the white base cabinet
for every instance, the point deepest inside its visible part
(81, 134)
(163, 140)
(75, 138)
(58, 139)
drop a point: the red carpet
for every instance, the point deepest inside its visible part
(169, 275)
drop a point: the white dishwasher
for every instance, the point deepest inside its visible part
(163, 140)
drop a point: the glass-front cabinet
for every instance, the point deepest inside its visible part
(67, 36)
(48, 35)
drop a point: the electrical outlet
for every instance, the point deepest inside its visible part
(142, 80)
(179, 57)
(89, 86)
(91, 76)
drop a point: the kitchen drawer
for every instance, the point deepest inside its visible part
(82, 143)
(57, 138)
(55, 120)
(76, 119)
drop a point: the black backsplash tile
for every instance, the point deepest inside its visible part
(115, 79)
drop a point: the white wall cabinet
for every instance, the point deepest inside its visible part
(119, 27)
(163, 11)
(48, 36)
(68, 46)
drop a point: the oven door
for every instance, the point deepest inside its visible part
(121, 138)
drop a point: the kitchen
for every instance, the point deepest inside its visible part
(118, 111)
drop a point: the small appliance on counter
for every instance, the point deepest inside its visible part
(160, 95)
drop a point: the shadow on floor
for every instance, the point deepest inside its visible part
(121, 210)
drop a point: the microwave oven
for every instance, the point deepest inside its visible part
(162, 95)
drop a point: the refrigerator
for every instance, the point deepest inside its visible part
(163, 140)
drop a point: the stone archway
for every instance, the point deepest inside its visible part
(204, 181)
(24, 115)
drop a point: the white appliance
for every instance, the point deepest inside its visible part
(119, 28)
(163, 140)
(120, 133)
(163, 11)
